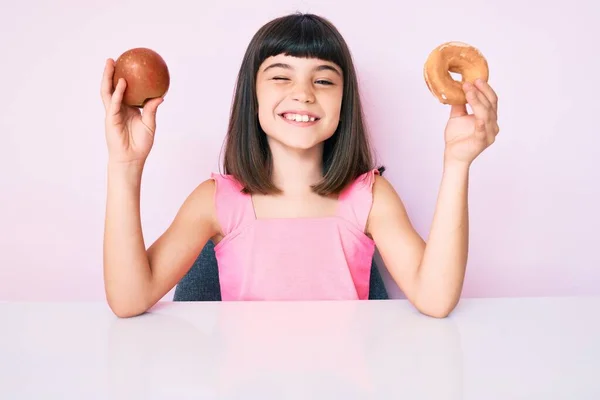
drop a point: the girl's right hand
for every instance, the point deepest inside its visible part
(129, 131)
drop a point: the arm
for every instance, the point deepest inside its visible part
(442, 269)
(136, 278)
(432, 275)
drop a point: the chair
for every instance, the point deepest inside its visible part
(201, 283)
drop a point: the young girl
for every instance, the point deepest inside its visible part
(301, 207)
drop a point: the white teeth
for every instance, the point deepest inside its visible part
(299, 118)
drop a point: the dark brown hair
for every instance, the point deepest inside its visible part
(346, 155)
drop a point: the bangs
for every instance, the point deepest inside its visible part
(300, 36)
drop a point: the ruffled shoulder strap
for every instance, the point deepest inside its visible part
(233, 207)
(356, 200)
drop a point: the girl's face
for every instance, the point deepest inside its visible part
(299, 100)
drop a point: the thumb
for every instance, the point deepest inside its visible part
(458, 110)
(149, 112)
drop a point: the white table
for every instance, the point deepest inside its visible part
(537, 348)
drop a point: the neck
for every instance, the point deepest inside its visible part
(294, 171)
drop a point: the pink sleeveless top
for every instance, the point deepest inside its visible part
(327, 258)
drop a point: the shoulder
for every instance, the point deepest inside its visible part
(382, 188)
(207, 191)
(385, 197)
(387, 204)
(204, 193)
(225, 183)
(361, 186)
(199, 206)
(219, 201)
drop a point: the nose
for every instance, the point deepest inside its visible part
(303, 93)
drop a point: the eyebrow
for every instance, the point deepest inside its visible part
(322, 67)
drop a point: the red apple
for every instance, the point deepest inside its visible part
(146, 74)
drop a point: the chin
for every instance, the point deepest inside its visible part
(299, 145)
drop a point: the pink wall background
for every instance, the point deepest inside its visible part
(534, 196)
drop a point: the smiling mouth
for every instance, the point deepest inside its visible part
(298, 117)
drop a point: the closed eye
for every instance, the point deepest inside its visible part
(320, 81)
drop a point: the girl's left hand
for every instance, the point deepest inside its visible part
(467, 135)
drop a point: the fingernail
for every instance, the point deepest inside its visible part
(467, 85)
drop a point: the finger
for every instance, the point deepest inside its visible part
(106, 88)
(480, 109)
(481, 97)
(495, 129)
(481, 131)
(490, 132)
(149, 113)
(489, 93)
(117, 97)
(491, 122)
(458, 110)
(486, 131)
(491, 113)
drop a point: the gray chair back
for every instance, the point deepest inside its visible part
(201, 283)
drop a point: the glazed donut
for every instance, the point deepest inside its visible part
(457, 57)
